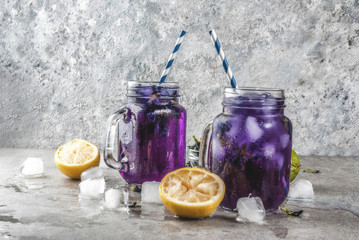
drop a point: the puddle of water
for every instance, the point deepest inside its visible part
(345, 203)
(153, 211)
(15, 187)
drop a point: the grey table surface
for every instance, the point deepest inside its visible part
(49, 208)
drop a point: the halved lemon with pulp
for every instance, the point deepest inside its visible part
(76, 156)
(191, 192)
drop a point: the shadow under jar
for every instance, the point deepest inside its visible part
(249, 146)
(146, 138)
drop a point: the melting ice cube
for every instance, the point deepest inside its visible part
(269, 150)
(253, 129)
(279, 160)
(92, 188)
(284, 140)
(34, 183)
(91, 173)
(250, 209)
(125, 200)
(268, 125)
(149, 192)
(32, 167)
(112, 198)
(301, 190)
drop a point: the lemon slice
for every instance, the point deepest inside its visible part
(76, 156)
(191, 192)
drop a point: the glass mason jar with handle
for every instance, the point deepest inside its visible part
(249, 146)
(146, 138)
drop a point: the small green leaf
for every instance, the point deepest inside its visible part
(292, 213)
(196, 145)
(133, 204)
(311, 170)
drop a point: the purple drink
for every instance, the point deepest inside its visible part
(250, 146)
(151, 132)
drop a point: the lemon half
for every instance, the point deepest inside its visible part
(76, 156)
(191, 192)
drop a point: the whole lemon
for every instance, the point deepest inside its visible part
(295, 166)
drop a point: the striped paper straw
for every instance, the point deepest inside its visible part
(220, 52)
(172, 57)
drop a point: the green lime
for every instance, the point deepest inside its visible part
(295, 166)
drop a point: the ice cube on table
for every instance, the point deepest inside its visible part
(126, 197)
(250, 209)
(253, 129)
(94, 172)
(149, 192)
(32, 167)
(112, 198)
(92, 188)
(301, 190)
(33, 183)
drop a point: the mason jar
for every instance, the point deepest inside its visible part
(249, 146)
(146, 137)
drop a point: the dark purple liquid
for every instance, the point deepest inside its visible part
(251, 150)
(159, 133)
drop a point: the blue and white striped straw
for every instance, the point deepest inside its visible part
(172, 57)
(220, 52)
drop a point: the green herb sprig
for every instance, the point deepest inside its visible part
(196, 144)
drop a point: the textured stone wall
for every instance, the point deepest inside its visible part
(64, 64)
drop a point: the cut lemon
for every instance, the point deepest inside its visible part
(191, 192)
(76, 156)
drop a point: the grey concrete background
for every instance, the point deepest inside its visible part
(64, 64)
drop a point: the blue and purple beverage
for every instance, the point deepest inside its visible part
(149, 133)
(250, 146)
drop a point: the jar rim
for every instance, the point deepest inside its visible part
(138, 84)
(150, 89)
(254, 98)
(275, 92)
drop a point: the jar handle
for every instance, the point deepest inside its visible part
(114, 150)
(205, 147)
